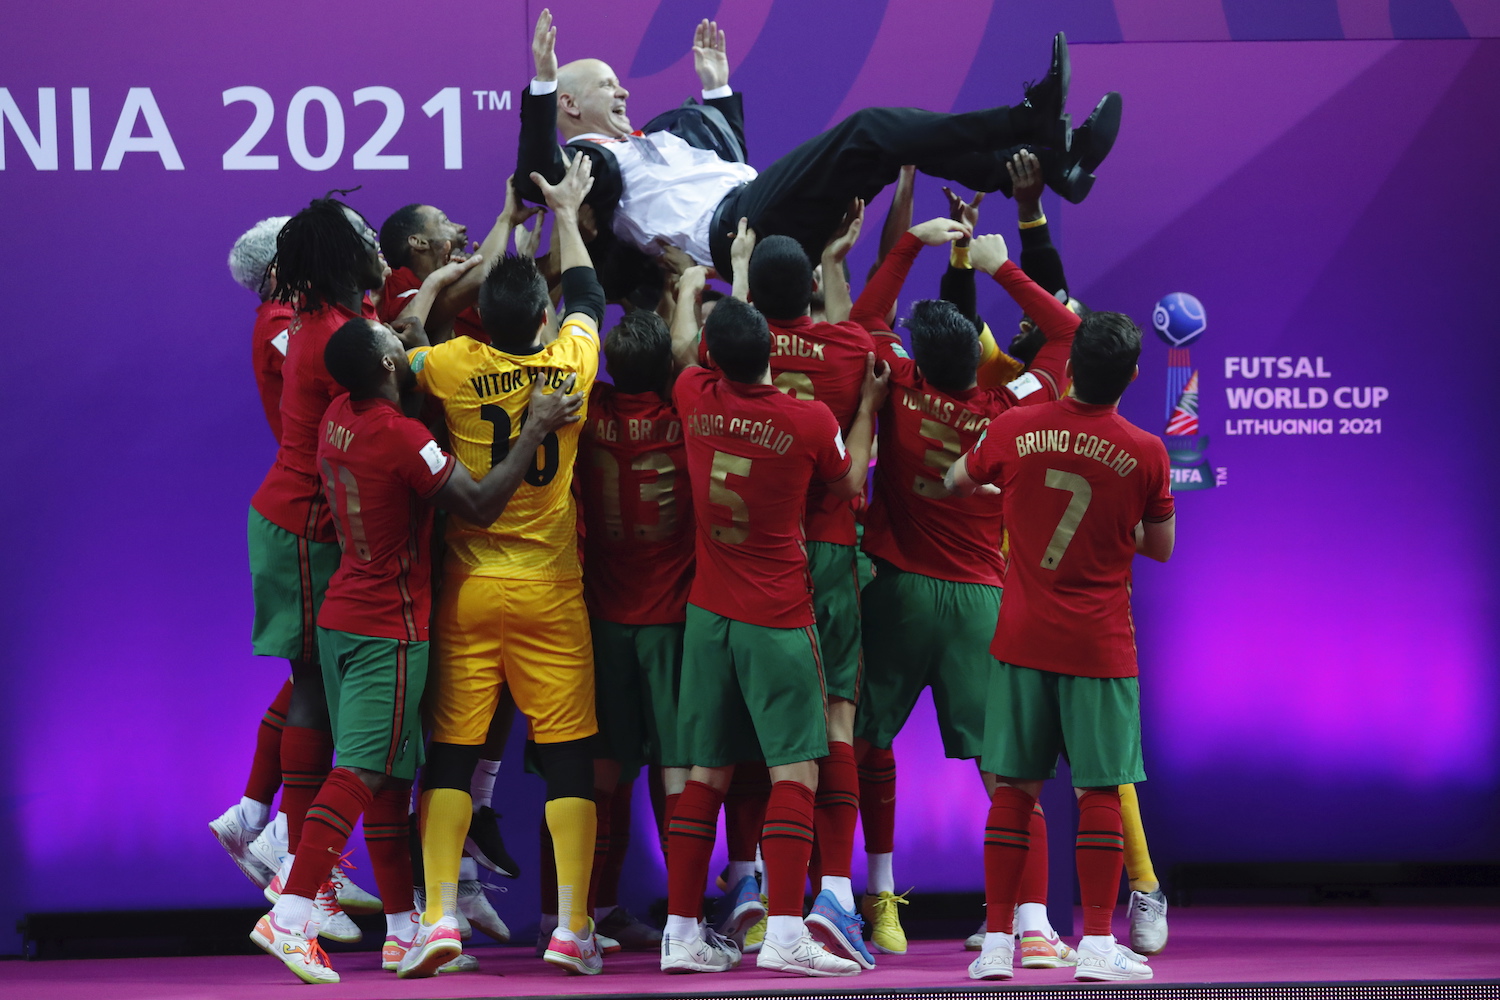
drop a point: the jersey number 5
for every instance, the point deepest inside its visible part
(1083, 493)
(720, 494)
(499, 420)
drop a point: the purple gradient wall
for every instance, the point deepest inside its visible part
(1319, 660)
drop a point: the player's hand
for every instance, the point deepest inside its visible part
(529, 240)
(410, 331)
(588, 228)
(673, 258)
(848, 232)
(742, 247)
(452, 271)
(936, 232)
(568, 193)
(987, 253)
(553, 410)
(691, 282)
(516, 211)
(544, 47)
(709, 56)
(966, 212)
(1025, 179)
(877, 384)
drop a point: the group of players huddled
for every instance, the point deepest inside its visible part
(701, 565)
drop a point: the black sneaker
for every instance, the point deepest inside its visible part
(486, 846)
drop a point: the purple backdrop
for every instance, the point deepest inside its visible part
(1319, 659)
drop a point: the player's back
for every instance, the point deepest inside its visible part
(752, 453)
(291, 496)
(378, 468)
(637, 508)
(1075, 480)
(268, 343)
(825, 362)
(486, 395)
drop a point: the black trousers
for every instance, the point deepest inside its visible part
(805, 193)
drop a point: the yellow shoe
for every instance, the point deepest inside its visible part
(886, 935)
(755, 936)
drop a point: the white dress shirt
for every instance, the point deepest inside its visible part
(670, 187)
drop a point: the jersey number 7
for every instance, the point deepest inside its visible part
(1083, 494)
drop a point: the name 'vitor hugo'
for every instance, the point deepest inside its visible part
(1090, 446)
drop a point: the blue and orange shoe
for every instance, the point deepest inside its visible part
(838, 930)
(746, 909)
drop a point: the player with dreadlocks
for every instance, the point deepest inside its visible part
(326, 259)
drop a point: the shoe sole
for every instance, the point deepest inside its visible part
(361, 905)
(474, 851)
(435, 958)
(251, 866)
(354, 938)
(503, 938)
(1105, 976)
(802, 970)
(265, 946)
(574, 965)
(1103, 125)
(688, 967)
(826, 933)
(884, 950)
(742, 918)
(1046, 963)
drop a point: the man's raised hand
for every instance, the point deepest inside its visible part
(936, 232)
(552, 410)
(848, 233)
(877, 384)
(544, 47)
(1025, 178)
(568, 194)
(709, 56)
(987, 253)
(742, 247)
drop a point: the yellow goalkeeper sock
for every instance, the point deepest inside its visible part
(1137, 855)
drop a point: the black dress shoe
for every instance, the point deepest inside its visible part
(1049, 96)
(1071, 174)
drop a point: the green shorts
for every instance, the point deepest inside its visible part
(835, 581)
(289, 576)
(637, 671)
(1031, 716)
(374, 689)
(749, 693)
(923, 632)
(864, 564)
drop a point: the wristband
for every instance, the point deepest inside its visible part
(959, 257)
(1034, 223)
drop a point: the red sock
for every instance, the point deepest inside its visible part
(388, 839)
(786, 844)
(325, 834)
(1100, 852)
(1034, 875)
(745, 809)
(1006, 836)
(604, 811)
(547, 871)
(691, 832)
(837, 809)
(670, 807)
(877, 800)
(619, 843)
(306, 758)
(265, 766)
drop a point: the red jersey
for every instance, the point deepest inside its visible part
(826, 362)
(402, 283)
(268, 342)
(378, 467)
(637, 509)
(752, 453)
(291, 495)
(1075, 480)
(913, 522)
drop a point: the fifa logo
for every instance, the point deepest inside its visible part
(1179, 320)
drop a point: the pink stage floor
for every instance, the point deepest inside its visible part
(1208, 945)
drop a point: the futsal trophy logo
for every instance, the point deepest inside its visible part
(1179, 320)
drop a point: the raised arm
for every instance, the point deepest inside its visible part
(861, 439)
(483, 502)
(875, 302)
(582, 293)
(685, 317)
(410, 326)
(957, 283)
(464, 292)
(837, 303)
(1039, 258)
(739, 259)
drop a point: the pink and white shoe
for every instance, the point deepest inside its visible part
(434, 947)
(575, 952)
(301, 953)
(1045, 950)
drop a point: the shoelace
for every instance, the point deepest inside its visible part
(882, 904)
(328, 892)
(313, 954)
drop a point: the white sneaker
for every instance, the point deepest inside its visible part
(435, 946)
(397, 945)
(236, 839)
(463, 963)
(300, 953)
(333, 922)
(575, 952)
(476, 908)
(269, 846)
(350, 896)
(1045, 950)
(998, 962)
(805, 957)
(1099, 959)
(283, 871)
(1148, 922)
(698, 954)
(607, 944)
(465, 931)
(975, 941)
